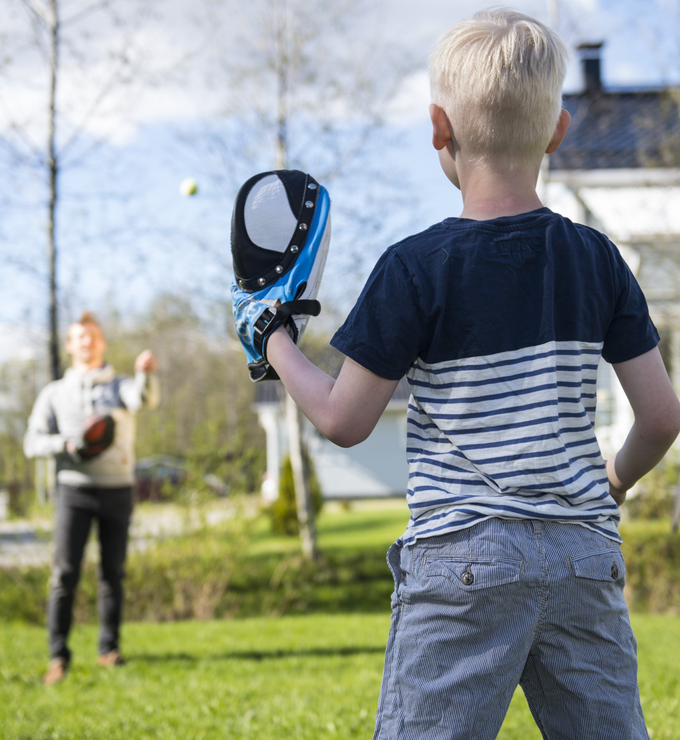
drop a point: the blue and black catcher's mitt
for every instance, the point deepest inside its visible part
(280, 234)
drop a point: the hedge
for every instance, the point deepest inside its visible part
(652, 554)
(210, 575)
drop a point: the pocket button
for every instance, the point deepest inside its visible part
(615, 571)
(468, 578)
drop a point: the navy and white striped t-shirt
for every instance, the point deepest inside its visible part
(499, 326)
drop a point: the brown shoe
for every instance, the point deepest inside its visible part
(108, 660)
(56, 671)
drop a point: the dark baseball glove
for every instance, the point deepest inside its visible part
(97, 436)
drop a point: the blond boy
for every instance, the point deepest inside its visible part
(510, 570)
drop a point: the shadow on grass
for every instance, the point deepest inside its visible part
(257, 655)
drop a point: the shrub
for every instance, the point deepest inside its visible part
(283, 512)
(652, 555)
(213, 572)
(655, 495)
(23, 594)
(183, 577)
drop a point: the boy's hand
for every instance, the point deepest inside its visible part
(616, 488)
(618, 495)
(256, 319)
(146, 362)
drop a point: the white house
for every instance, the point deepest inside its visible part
(375, 468)
(618, 170)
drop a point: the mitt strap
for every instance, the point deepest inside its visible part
(273, 317)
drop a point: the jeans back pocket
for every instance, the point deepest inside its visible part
(599, 565)
(471, 574)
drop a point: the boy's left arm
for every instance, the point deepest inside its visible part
(142, 391)
(346, 409)
(656, 410)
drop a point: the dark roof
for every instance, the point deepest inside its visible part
(272, 391)
(620, 129)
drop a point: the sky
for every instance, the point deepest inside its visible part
(126, 233)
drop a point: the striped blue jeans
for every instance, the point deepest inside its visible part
(505, 603)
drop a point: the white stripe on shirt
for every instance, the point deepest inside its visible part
(507, 434)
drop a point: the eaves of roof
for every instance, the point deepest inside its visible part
(622, 177)
(271, 393)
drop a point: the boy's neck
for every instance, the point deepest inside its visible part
(491, 194)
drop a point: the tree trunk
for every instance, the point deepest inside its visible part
(53, 172)
(303, 499)
(282, 71)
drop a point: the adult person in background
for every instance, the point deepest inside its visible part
(87, 421)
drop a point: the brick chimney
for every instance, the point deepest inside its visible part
(590, 55)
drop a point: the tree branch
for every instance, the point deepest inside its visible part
(39, 11)
(76, 17)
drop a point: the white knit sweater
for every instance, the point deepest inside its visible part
(63, 406)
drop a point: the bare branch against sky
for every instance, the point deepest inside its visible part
(136, 72)
(55, 49)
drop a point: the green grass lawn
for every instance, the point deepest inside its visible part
(311, 676)
(291, 678)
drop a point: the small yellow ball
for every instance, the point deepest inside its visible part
(189, 186)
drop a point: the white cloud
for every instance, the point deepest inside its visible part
(21, 342)
(411, 102)
(112, 77)
(168, 51)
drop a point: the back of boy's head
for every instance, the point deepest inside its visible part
(499, 79)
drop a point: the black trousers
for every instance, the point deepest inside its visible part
(77, 507)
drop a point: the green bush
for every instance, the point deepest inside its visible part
(652, 555)
(655, 494)
(23, 594)
(234, 570)
(283, 512)
(238, 464)
(203, 578)
(183, 577)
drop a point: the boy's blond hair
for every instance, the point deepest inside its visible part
(499, 78)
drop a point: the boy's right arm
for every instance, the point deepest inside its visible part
(344, 409)
(42, 438)
(657, 421)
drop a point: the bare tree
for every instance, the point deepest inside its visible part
(49, 32)
(303, 85)
(310, 84)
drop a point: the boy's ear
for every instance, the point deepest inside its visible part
(441, 128)
(560, 131)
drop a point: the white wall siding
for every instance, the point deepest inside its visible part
(375, 468)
